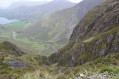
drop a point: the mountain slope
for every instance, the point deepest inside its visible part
(37, 12)
(61, 23)
(29, 66)
(95, 36)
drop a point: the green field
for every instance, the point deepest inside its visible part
(18, 24)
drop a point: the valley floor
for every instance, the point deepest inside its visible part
(13, 32)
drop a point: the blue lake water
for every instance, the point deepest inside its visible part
(6, 21)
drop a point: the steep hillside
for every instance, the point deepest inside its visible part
(95, 36)
(37, 12)
(93, 50)
(61, 24)
(16, 65)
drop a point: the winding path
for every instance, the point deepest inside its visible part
(14, 37)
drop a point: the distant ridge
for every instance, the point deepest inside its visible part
(35, 12)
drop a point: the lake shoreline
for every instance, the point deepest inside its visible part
(4, 20)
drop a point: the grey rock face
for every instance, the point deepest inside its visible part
(15, 64)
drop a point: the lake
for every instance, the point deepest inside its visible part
(6, 21)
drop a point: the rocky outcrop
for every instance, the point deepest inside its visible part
(10, 49)
(15, 64)
(95, 36)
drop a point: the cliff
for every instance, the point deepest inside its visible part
(95, 36)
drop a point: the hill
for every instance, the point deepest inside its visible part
(32, 13)
(8, 48)
(92, 53)
(60, 24)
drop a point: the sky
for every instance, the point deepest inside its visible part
(6, 3)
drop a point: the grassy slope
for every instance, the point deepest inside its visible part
(109, 64)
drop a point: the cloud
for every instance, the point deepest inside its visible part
(76, 1)
(6, 3)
